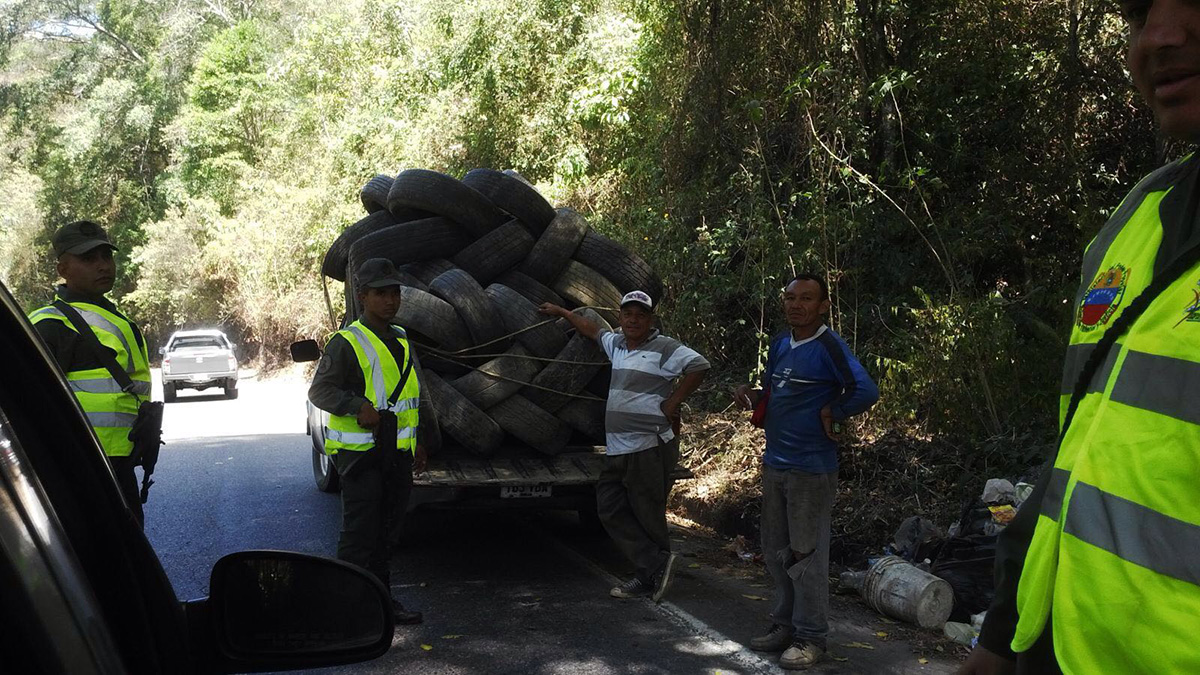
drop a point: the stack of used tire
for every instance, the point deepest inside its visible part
(477, 256)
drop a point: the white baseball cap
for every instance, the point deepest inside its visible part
(639, 297)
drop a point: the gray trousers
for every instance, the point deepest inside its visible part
(796, 513)
(375, 491)
(631, 499)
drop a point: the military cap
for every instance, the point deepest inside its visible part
(377, 273)
(79, 237)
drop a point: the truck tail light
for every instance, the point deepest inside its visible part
(166, 362)
(232, 363)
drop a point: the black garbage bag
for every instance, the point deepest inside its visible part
(966, 563)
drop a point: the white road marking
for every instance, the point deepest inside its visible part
(718, 643)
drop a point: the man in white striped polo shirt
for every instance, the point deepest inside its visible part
(640, 423)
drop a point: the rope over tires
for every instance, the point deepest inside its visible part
(476, 257)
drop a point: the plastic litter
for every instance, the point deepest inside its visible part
(959, 632)
(911, 534)
(1003, 514)
(998, 491)
(1021, 493)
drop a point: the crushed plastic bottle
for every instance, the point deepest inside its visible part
(961, 633)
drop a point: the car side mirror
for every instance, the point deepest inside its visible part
(279, 610)
(162, 350)
(305, 350)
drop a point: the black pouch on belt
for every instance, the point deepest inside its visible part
(385, 432)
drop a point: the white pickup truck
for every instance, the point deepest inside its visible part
(199, 359)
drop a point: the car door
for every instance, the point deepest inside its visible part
(98, 544)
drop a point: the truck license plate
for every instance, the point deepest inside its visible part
(524, 491)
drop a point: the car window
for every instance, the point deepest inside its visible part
(196, 341)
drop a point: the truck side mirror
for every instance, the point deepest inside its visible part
(305, 350)
(162, 350)
(278, 610)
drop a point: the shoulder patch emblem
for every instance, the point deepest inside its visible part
(1192, 311)
(1103, 297)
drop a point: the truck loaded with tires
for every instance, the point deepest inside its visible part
(512, 400)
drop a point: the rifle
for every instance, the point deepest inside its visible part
(146, 433)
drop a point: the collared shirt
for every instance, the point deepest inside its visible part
(642, 378)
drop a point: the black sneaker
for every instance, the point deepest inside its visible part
(634, 588)
(662, 580)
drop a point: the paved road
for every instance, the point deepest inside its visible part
(502, 592)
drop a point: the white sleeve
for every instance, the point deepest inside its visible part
(607, 341)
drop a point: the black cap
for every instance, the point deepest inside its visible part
(79, 237)
(377, 273)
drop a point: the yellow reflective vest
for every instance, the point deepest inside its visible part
(1115, 554)
(110, 411)
(381, 374)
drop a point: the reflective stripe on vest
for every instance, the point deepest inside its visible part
(1113, 555)
(109, 410)
(381, 374)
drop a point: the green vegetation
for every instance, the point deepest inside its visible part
(944, 162)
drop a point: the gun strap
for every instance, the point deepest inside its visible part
(403, 378)
(103, 353)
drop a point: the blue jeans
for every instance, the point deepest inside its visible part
(796, 513)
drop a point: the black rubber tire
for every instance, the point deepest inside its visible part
(568, 378)
(531, 425)
(433, 317)
(513, 195)
(352, 309)
(428, 270)
(169, 392)
(461, 419)
(374, 194)
(324, 471)
(410, 242)
(338, 255)
(519, 313)
(627, 270)
(496, 252)
(533, 290)
(231, 393)
(513, 174)
(555, 246)
(585, 287)
(585, 417)
(446, 196)
(429, 431)
(474, 308)
(510, 372)
(448, 367)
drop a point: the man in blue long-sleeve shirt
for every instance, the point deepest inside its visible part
(812, 382)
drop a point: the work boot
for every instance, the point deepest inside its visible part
(802, 654)
(634, 588)
(403, 616)
(777, 639)
(662, 579)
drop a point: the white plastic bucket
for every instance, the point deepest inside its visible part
(898, 589)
